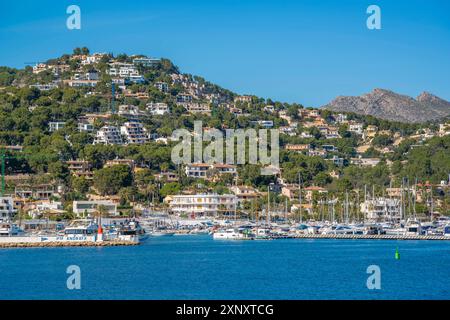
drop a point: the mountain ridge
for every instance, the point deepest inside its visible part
(389, 105)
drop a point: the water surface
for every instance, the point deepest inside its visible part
(197, 267)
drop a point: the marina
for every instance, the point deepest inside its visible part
(133, 231)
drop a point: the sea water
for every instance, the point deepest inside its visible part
(197, 267)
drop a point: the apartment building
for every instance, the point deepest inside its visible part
(184, 98)
(157, 108)
(310, 191)
(162, 86)
(197, 108)
(39, 68)
(146, 62)
(80, 168)
(340, 118)
(203, 170)
(91, 59)
(131, 112)
(203, 204)
(134, 132)
(244, 98)
(59, 69)
(245, 193)
(135, 78)
(80, 83)
(85, 126)
(84, 208)
(382, 209)
(7, 210)
(36, 192)
(356, 127)
(108, 135)
(123, 70)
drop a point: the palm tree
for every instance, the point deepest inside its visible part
(150, 189)
(101, 212)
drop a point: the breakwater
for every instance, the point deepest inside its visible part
(370, 236)
(46, 244)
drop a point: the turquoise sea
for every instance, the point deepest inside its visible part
(197, 267)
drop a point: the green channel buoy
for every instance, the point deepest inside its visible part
(397, 254)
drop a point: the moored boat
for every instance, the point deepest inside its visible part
(229, 234)
(132, 229)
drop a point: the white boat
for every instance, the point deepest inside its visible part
(161, 232)
(413, 228)
(81, 227)
(228, 234)
(373, 229)
(263, 234)
(392, 231)
(327, 229)
(132, 228)
(446, 231)
(199, 231)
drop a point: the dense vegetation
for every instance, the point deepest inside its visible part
(25, 113)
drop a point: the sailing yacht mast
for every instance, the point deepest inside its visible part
(300, 195)
(346, 207)
(268, 205)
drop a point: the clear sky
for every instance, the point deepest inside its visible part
(296, 51)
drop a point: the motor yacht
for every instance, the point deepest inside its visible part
(229, 234)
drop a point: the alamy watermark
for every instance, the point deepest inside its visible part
(374, 20)
(74, 20)
(374, 280)
(235, 144)
(74, 280)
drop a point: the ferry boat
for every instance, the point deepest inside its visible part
(77, 230)
(81, 227)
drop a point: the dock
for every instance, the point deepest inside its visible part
(369, 237)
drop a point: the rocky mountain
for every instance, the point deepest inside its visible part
(392, 106)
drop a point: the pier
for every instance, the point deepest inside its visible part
(369, 236)
(51, 244)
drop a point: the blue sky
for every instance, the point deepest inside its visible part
(296, 51)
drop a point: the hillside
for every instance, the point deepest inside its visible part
(59, 126)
